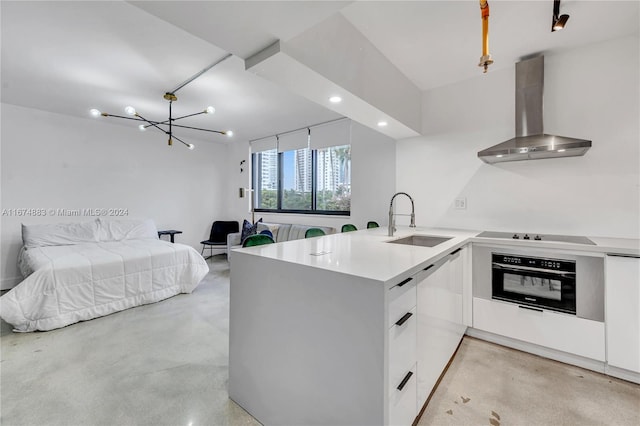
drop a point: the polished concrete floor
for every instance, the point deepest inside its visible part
(159, 364)
(487, 384)
(167, 364)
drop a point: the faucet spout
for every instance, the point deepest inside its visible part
(392, 225)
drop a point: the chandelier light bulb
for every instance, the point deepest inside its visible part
(229, 133)
(130, 110)
(335, 99)
(142, 128)
(94, 112)
(210, 110)
(191, 146)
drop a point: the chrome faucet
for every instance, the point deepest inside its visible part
(392, 224)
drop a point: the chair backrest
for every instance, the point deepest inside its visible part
(257, 240)
(348, 228)
(267, 232)
(372, 224)
(314, 232)
(221, 228)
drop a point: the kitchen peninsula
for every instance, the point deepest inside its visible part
(350, 328)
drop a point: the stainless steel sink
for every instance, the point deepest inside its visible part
(421, 240)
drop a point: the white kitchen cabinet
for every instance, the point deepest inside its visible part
(622, 312)
(562, 332)
(401, 352)
(440, 319)
(310, 345)
(402, 404)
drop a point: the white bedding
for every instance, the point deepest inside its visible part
(72, 283)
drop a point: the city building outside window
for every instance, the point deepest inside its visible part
(303, 180)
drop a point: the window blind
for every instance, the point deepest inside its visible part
(293, 140)
(331, 134)
(264, 144)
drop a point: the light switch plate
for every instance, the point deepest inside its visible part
(461, 203)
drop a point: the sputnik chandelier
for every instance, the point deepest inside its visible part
(167, 126)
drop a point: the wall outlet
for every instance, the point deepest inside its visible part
(461, 203)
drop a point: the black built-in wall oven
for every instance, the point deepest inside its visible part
(534, 281)
(540, 279)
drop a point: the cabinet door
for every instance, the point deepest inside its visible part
(622, 288)
(402, 404)
(439, 305)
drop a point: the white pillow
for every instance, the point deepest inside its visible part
(59, 234)
(126, 229)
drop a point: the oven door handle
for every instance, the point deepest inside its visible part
(514, 268)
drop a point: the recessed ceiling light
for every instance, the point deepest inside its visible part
(499, 155)
(335, 99)
(561, 150)
(382, 123)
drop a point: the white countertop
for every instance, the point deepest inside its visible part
(364, 253)
(367, 254)
(621, 246)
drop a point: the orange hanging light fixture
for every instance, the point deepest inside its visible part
(485, 59)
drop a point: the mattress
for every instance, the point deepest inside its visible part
(71, 283)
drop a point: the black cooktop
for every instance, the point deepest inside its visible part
(537, 237)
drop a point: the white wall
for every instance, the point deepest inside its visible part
(57, 161)
(372, 183)
(591, 92)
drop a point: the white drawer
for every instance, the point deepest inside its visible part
(402, 349)
(562, 332)
(402, 403)
(401, 299)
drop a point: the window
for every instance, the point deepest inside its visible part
(303, 180)
(334, 178)
(297, 179)
(265, 166)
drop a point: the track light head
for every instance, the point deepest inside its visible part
(559, 22)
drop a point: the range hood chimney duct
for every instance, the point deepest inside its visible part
(531, 142)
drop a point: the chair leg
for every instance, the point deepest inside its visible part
(202, 251)
(210, 252)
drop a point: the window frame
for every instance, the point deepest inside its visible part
(255, 167)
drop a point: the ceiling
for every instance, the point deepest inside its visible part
(435, 43)
(68, 57)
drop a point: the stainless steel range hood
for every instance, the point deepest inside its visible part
(531, 142)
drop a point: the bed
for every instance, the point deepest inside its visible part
(77, 272)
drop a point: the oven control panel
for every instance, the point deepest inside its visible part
(535, 262)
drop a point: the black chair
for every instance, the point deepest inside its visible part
(218, 237)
